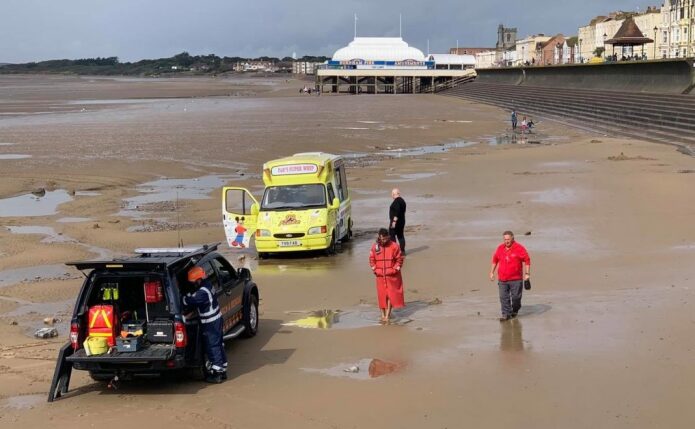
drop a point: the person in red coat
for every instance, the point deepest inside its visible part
(386, 261)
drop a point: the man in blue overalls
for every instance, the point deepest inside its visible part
(203, 300)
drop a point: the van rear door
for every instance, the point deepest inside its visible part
(239, 216)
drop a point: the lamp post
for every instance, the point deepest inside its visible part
(604, 45)
(655, 30)
(581, 59)
(558, 60)
(523, 55)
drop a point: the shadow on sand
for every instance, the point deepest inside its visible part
(246, 355)
(533, 310)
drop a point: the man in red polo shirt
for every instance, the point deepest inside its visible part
(513, 267)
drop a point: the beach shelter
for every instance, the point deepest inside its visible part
(628, 36)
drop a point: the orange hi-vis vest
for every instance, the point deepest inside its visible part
(102, 323)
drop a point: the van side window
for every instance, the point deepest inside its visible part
(343, 181)
(339, 183)
(331, 193)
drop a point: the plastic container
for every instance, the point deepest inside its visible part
(94, 346)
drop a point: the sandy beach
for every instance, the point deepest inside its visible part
(604, 338)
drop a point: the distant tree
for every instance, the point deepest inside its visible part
(598, 52)
(314, 59)
(184, 59)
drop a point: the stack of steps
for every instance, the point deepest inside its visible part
(647, 116)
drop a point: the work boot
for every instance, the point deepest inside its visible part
(215, 378)
(504, 318)
(224, 375)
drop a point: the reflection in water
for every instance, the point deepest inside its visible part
(511, 336)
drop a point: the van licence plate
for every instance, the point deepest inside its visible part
(288, 243)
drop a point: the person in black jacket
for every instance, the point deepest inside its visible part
(397, 218)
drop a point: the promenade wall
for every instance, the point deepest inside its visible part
(660, 76)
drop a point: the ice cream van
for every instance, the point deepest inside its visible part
(305, 206)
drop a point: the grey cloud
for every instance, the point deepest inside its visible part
(33, 30)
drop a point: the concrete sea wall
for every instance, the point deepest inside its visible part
(661, 76)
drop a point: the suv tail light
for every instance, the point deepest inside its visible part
(74, 335)
(180, 334)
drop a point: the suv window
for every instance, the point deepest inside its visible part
(226, 273)
(211, 275)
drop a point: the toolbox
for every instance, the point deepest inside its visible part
(160, 331)
(134, 328)
(129, 344)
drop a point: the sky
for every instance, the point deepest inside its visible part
(36, 30)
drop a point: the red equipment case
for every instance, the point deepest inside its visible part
(103, 323)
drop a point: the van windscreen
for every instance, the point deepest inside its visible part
(294, 197)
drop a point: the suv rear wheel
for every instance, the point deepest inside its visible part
(251, 318)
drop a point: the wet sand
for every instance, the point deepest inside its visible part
(604, 337)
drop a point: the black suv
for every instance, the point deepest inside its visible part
(143, 294)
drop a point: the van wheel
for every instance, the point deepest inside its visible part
(332, 248)
(262, 255)
(251, 318)
(348, 235)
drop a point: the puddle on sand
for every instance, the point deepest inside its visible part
(23, 402)
(554, 196)
(425, 150)
(410, 177)
(513, 139)
(352, 319)
(44, 309)
(169, 190)
(14, 156)
(355, 370)
(87, 193)
(31, 205)
(74, 219)
(51, 236)
(364, 369)
(41, 272)
(684, 247)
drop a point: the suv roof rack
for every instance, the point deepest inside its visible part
(183, 252)
(150, 257)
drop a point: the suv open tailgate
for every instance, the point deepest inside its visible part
(154, 352)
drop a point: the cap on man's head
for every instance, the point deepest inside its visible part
(196, 273)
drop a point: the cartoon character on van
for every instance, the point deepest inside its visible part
(240, 230)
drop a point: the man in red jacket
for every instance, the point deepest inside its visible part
(386, 261)
(513, 267)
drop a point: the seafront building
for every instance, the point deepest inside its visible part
(529, 48)
(676, 29)
(305, 67)
(388, 65)
(592, 38)
(255, 66)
